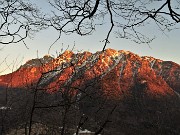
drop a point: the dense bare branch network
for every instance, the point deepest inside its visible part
(125, 16)
(18, 20)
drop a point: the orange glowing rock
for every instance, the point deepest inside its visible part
(115, 72)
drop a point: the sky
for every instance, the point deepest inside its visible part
(165, 46)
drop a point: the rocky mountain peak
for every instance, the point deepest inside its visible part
(115, 72)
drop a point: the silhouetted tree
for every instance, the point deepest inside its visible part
(18, 20)
(124, 16)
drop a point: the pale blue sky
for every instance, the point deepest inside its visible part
(165, 47)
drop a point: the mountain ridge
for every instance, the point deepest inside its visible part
(123, 68)
(127, 93)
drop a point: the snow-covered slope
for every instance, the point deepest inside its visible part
(114, 71)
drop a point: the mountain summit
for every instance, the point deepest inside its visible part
(109, 92)
(115, 71)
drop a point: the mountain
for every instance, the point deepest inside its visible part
(120, 69)
(118, 92)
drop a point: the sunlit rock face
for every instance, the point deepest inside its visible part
(114, 72)
(141, 92)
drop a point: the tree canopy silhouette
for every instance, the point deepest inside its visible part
(82, 17)
(18, 20)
